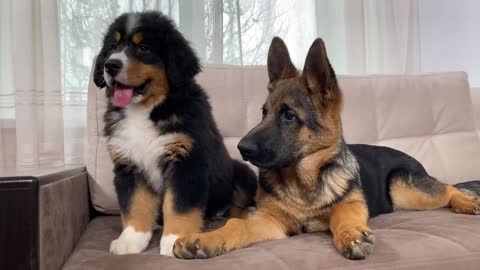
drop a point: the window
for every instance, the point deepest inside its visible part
(222, 32)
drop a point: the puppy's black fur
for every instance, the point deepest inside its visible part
(195, 167)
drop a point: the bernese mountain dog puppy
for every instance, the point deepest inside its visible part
(171, 165)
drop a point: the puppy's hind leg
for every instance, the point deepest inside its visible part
(420, 191)
(465, 198)
(244, 190)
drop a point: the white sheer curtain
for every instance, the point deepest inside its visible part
(373, 36)
(362, 36)
(36, 116)
(47, 47)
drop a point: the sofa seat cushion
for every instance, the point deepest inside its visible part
(436, 239)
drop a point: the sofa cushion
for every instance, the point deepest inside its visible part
(428, 116)
(436, 239)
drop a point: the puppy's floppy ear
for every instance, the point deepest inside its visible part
(98, 71)
(279, 64)
(318, 75)
(182, 62)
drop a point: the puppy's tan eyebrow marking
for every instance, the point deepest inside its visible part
(117, 36)
(137, 38)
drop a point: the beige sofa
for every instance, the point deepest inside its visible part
(429, 116)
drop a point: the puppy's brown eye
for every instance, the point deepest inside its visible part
(143, 49)
(113, 47)
(288, 115)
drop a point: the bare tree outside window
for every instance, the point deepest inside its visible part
(224, 32)
(80, 38)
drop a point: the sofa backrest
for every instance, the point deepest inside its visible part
(476, 107)
(428, 116)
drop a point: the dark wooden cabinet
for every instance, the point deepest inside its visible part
(18, 223)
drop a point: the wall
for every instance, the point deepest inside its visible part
(450, 37)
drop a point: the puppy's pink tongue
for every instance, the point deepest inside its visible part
(121, 97)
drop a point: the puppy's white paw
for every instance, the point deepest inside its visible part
(130, 242)
(166, 244)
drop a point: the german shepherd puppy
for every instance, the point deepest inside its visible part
(311, 180)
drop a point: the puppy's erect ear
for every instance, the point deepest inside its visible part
(279, 64)
(318, 74)
(98, 71)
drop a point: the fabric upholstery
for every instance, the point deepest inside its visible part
(405, 240)
(63, 216)
(428, 116)
(476, 107)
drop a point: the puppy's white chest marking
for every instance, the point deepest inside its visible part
(139, 140)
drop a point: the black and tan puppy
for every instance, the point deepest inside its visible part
(311, 180)
(170, 160)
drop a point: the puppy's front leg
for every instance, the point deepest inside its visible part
(177, 223)
(235, 234)
(139, 208)
(184, 201)
(348, 223)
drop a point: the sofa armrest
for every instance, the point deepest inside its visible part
(43, 212)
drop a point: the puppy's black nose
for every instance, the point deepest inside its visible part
(113, 67)
(247, 149)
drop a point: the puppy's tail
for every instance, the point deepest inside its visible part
(244, 185)
(470, 188)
